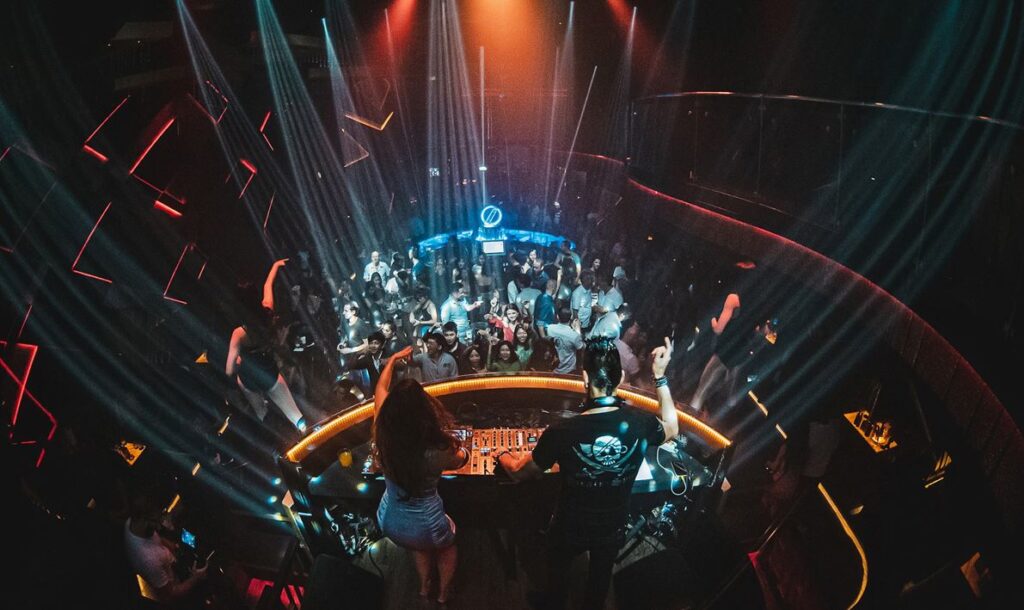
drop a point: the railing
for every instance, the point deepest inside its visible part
(794, 159)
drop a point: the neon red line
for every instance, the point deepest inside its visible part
(93, 277)
(251, 176)
(145, 152)
(92, 151)
(4, 154)
(201, 270)
(266, 218)
(22, 382)
(223, 97)
(82, 249)
(104, 121)
(252, 169)
(160, 191)
(163, 207)
(177, 265)
(39, 462)
(24, 321)
(263, 126)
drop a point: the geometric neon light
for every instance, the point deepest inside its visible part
(81, 250)
(88, 147)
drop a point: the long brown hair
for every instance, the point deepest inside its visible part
(408, 424)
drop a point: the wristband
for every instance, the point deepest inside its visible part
(660, 382)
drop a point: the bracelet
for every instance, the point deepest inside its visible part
(660, 382)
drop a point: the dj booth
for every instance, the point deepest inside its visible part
(334, 486)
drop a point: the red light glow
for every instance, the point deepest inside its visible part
(252, 174)
(148, 148)
(270, 206)
(81, 250)
(89, 149)
(215, 119)
(263, 127)
(174, 273)
(21, 381)
(166, 209)
(95, 153)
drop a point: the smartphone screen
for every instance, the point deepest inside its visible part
(188, 538)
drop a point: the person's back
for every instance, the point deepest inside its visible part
(413, 446)
(598, 454)
(567, 341)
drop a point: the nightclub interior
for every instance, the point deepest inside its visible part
(668, 304)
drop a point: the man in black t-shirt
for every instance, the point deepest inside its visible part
(598, 454)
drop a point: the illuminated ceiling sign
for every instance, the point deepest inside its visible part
(490, 216)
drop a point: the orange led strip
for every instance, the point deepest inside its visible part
(364, 411)
(856, 544)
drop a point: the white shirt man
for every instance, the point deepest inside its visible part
(376, 266)
(525, 299)
(610, 324)
(583, 299)
(611, 300)
(567, 340)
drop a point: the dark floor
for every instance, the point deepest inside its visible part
(482, 582)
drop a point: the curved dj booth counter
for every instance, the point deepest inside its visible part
(331, 467)
(320, 438)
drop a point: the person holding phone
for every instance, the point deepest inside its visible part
(152, 558)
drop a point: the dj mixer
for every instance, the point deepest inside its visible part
(486, 443)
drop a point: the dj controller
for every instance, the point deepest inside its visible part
(485, 444)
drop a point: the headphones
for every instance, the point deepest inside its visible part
(605, 401)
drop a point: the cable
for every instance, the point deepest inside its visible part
(369, 551)
(672, 473)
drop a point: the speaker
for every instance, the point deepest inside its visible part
(336, 584)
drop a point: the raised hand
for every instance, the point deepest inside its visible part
(661, 357)
(401, 354)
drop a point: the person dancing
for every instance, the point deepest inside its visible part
(251, 360)
(413, 446)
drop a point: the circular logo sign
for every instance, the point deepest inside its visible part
(490, 216)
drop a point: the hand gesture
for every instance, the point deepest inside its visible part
(199, 573)
(404, 353)
(576, 325)
(661, 357)
(280, 263)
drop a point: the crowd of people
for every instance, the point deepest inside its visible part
(528, 310)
